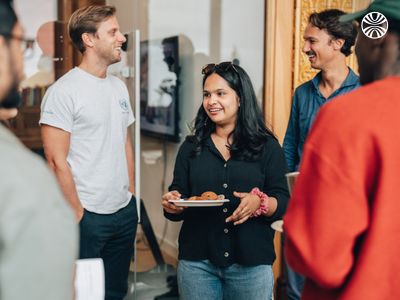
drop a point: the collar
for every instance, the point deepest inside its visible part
(212, 148)
(351, 80)
(209, 142)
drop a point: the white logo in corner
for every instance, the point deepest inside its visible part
(374, 25)
(124, 104)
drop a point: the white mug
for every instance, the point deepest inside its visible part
(291, 179)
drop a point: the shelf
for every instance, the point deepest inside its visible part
(26, 126)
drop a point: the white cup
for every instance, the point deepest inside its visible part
(291, 179)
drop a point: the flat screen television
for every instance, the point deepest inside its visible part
(159, 70)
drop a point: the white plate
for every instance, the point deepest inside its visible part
(198, 203)
(277, 225)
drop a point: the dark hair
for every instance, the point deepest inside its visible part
(250, 133)
(329, 20)
(8, 18)
(394, 26)
(86, 20)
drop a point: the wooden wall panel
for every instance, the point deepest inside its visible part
(278, 64)
(70, 56)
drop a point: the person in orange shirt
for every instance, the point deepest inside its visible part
(342, 224)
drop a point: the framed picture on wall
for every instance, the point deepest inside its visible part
(159, 72)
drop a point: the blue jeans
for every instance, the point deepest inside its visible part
(295, 284)
(111, 237)
(201, 280)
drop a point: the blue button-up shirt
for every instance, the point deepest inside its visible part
(307, 100)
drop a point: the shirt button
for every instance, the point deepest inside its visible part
(226, 254)
(224, 165)
(225, 185)
(226, 230)
(225, 210)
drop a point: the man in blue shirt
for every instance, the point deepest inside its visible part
(327, 43)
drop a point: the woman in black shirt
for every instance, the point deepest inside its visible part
(226, 252)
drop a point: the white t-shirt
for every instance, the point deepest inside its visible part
(96, 111)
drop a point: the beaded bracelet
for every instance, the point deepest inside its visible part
(263, 209)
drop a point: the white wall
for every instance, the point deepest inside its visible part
(209, 31)
(243, 37)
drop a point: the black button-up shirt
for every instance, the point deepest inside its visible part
(204, 233)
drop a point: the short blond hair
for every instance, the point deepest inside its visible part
(86, 20)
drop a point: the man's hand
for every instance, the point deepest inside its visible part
(79, 214)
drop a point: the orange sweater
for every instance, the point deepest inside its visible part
(343, 221)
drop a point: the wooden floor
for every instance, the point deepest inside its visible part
(145, 260)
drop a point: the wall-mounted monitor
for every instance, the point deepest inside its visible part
(159, 72)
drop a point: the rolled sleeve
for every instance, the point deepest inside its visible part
(57, 109)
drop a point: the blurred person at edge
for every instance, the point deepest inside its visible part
(38, 235)
(342, 224)
(84, 120)
(227, 252)
(327, 43)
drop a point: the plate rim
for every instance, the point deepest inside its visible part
(198, 201)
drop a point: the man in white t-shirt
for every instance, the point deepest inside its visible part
(85, 118)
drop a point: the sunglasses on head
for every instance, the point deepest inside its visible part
(223, 66)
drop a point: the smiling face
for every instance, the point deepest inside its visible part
(220, 101)
(108, 41)
(319, 47)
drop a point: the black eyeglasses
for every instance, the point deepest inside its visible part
(26, 44)
(223, 66)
